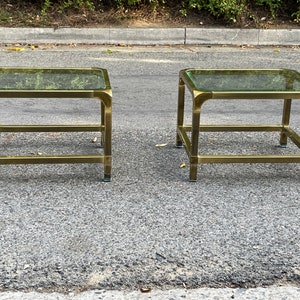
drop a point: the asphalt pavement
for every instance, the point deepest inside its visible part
(233, 234)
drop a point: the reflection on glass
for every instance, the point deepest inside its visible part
(51, 79)
(245, 80)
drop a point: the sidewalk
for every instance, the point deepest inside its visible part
(151, 36)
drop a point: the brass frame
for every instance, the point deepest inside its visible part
(199, 97)
(105, 125)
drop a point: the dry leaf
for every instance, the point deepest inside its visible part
(183, 165)
(145, 290)
(161, 145)
(15, 49)
(94, 140)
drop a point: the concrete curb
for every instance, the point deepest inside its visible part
(270, 293)
(151, 36)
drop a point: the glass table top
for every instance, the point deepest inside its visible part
(53, 79)
(223, 80)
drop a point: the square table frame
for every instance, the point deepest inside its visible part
(105, 125)
(199, 97)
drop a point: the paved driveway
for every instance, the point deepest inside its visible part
(62, 229)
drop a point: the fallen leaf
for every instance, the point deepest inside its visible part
(15, 49)
(183, 165)
(145, 290)
(94, 140)
(161, 145)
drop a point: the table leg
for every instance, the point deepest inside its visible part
(107, 133)
(285, 121)
(102, 122)
(195, 139)
(180, 110)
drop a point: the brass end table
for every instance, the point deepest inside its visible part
(61, 83)
(236, 84)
